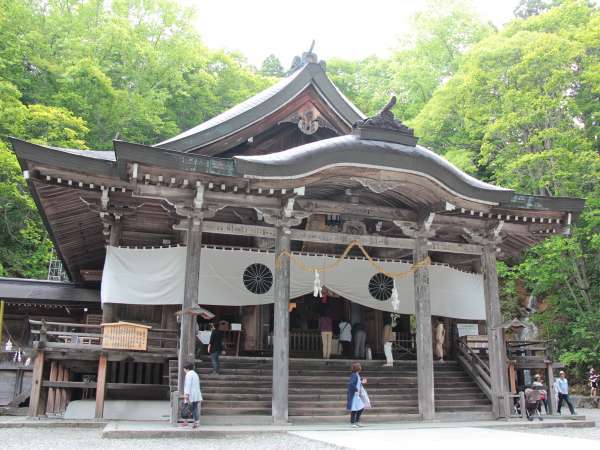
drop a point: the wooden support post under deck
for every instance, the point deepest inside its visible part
(423, 332)
(110, 311)
(36, 385)
(51, 405)
(187, 340)
(281, 328)
(101, 385)
(496, 345)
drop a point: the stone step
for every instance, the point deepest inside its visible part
(463, 408)
(203, 371)
(340, 395)
(333, 390)
(222, 378)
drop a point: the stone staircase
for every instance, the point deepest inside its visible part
(317, 388)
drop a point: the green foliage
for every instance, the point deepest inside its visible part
(271, 67)
(522, 111)
(74, 73)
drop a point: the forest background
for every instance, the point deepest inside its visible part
(516, 106)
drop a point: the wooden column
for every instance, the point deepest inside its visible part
(496, 346)
(424, 332)
(281, 327)
(101, 385)
(187, 340)
(550, 392)
(110, 311)
(36, 385)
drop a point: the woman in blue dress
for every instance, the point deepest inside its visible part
(354, 403)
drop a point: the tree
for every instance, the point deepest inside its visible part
(528, 8)
(427, 55)
(522, 108)
(271, 67)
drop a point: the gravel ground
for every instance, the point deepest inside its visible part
(583, 433)
(64, 438)
(69, 438)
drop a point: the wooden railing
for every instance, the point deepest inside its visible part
(404, 344)
(80, 335)
(527, 349)
(478, 369)
(305, 341)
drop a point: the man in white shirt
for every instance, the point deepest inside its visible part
(191, 393)
(561, 386)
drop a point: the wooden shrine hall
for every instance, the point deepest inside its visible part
(239, 212)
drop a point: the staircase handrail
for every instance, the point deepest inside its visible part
(475, 367)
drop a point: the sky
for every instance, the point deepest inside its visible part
(349, 29)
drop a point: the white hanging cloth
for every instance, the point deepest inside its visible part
(157, 277)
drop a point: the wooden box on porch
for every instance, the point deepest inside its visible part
(125, 336)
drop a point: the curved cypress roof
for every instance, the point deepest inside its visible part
(263, 104)
(350, 150)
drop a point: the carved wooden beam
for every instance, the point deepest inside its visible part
(332, 238)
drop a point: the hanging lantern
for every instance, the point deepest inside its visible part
(318, 290)
(395, 299)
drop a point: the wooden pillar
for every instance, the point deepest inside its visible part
(281, 328)
(110, 311)
(550, 392)
(424, 332)
(36, 385)
(52, 392)
(101, 385)
(496, 346)
(187, 340)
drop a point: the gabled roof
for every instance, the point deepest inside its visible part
(264, 104)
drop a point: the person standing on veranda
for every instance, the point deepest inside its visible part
(346, 338)
(326, 328)
(360, 340)
(191, 393)
(389, 337)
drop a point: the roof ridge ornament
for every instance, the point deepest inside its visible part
(307, 58)
(385, 127)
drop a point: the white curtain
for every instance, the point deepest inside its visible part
(156, 277)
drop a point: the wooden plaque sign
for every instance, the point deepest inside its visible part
(125, 336)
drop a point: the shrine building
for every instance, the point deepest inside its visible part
(293, 192)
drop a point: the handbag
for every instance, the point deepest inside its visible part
(362, 393)
(186, 411)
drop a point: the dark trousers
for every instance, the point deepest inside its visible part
(347, 349)
(545, 402)
(196, 411)
(355, 416)
(565, 397)
(214, 358)
(360, 339)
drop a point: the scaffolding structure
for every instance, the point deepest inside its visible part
(56, 271)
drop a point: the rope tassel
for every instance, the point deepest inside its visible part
(318, 289)
(395, 299)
